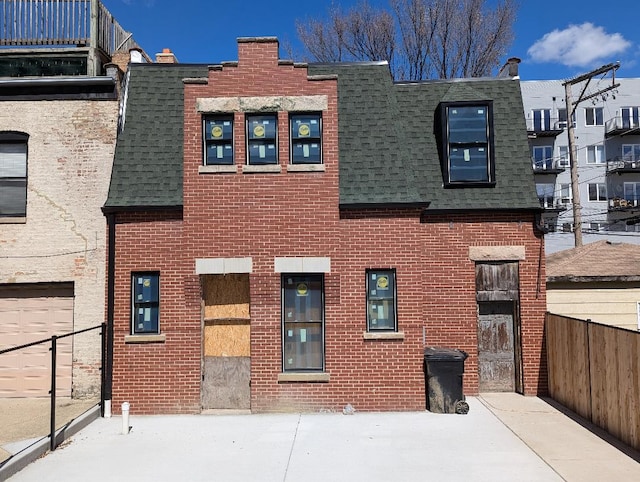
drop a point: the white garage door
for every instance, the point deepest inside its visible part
(29, 313)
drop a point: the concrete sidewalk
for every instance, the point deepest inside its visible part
(575, 448)
(504, 437)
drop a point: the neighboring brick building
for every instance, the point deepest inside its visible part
(291, 237)
(58, 126)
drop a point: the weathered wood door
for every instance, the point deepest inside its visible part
(496, 354)
(226, 351)
(497, 292)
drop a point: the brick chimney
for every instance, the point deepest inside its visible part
(258, 50)
(166, 57)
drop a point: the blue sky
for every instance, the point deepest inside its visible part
(555, 39)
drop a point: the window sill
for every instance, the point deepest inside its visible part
(269, 168)
(217, 169)
(305, 168)
(386, 335)
(303, 377)
(145, 338)
(16, 220)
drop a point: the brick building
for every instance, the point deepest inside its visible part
(58, 125)
(286, 236)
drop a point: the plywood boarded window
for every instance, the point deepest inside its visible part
(226, 315)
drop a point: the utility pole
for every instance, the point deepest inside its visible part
(573, 155)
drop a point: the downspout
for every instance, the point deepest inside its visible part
(111, 279)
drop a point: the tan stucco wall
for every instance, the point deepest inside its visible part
(70, 153)
(614, 305)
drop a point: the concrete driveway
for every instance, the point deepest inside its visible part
(504, 437)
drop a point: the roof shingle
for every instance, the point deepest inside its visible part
(602, 259)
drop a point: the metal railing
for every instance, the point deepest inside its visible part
(620, 123)
(61, 22)
(54, 352)
(542, 165)
(623, 162)
(545, 125)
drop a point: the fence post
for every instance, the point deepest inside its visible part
(52, 435)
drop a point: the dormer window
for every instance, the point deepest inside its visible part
(467, 143)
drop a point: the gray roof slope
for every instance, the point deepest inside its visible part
(147, 168)
(389, 150)
(602, 260)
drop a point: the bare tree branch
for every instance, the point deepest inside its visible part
(420, 38)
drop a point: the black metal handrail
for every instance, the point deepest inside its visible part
(53, 349)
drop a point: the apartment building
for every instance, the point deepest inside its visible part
(58, 125)
(607, 133)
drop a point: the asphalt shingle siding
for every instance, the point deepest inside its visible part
(147, 169)
(389, 149)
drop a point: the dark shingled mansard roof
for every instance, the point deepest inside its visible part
(389, 149)
(147, 167)
(387, 143)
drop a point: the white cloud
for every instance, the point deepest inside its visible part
(578, 46)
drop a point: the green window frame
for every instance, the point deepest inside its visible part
(305, 132)
(218, 140)
(145, 303)
(381, 300)
(303, 347)
(262, 139)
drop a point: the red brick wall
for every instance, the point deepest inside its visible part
(156, 377)
(267, 215)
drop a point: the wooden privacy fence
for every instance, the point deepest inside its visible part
(61, 22)
(594, 371)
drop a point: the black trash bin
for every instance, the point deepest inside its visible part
(443, 370)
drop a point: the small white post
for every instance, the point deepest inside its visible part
(125, 418)
(107, 409)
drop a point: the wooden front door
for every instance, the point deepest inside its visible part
(496, 354)
(226, 351)
(497, 294)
